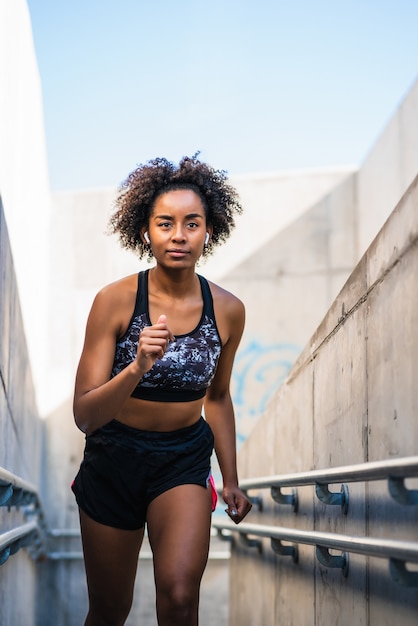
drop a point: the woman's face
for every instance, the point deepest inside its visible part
(177, 228)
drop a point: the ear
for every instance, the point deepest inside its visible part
(145, 236)
(208, 236)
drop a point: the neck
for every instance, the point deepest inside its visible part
(176, 283)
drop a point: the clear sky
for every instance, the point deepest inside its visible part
(255, 86)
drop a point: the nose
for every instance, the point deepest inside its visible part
(178, 233)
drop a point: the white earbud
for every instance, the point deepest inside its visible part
(146, 237)
(206, 239)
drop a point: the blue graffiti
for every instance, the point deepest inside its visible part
(258, 372)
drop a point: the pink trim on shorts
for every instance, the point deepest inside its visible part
(214, 492)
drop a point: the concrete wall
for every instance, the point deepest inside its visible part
(389, 169)
(287, 287)
(21, 437)
(349, 398)
(290, 281)
(24, 185)
(24, 267)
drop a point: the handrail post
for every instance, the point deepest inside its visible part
(400, 493)
(6, 492)
(285, 498)
(279, 548)
(331, 497)
(400, 574)
(329, 560)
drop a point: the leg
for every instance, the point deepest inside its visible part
(111, 558)
(179, 532)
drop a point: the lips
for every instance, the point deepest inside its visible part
(177, 252)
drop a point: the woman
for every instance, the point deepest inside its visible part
(159, 346)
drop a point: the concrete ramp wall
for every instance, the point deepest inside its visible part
(21, 436)
(350, 398)
(290, 281)
(24, 184)
(389, 169)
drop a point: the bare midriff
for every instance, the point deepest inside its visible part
(159, 416)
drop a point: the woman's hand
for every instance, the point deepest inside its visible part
(238, 503)
(153, 343)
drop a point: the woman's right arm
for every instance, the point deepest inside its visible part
(98, 398)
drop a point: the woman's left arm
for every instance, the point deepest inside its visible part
(219, 411)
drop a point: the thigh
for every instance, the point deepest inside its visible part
(111, 558)
(179, 523)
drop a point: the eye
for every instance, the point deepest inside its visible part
(164, 224)
(192, 225)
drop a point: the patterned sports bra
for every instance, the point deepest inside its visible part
(189, 363)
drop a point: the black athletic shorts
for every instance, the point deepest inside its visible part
(125, 468)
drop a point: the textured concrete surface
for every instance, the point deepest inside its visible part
(20, 439)
(350, 398)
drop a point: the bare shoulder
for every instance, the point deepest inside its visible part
(229, 312)
(114, 304)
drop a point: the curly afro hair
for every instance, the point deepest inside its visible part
(137, 194)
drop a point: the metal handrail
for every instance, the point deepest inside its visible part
(77, 555)
(374, 470)
(19, 493)
(14, 491)
(26, 535)
(393, 470)
(398, 552)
